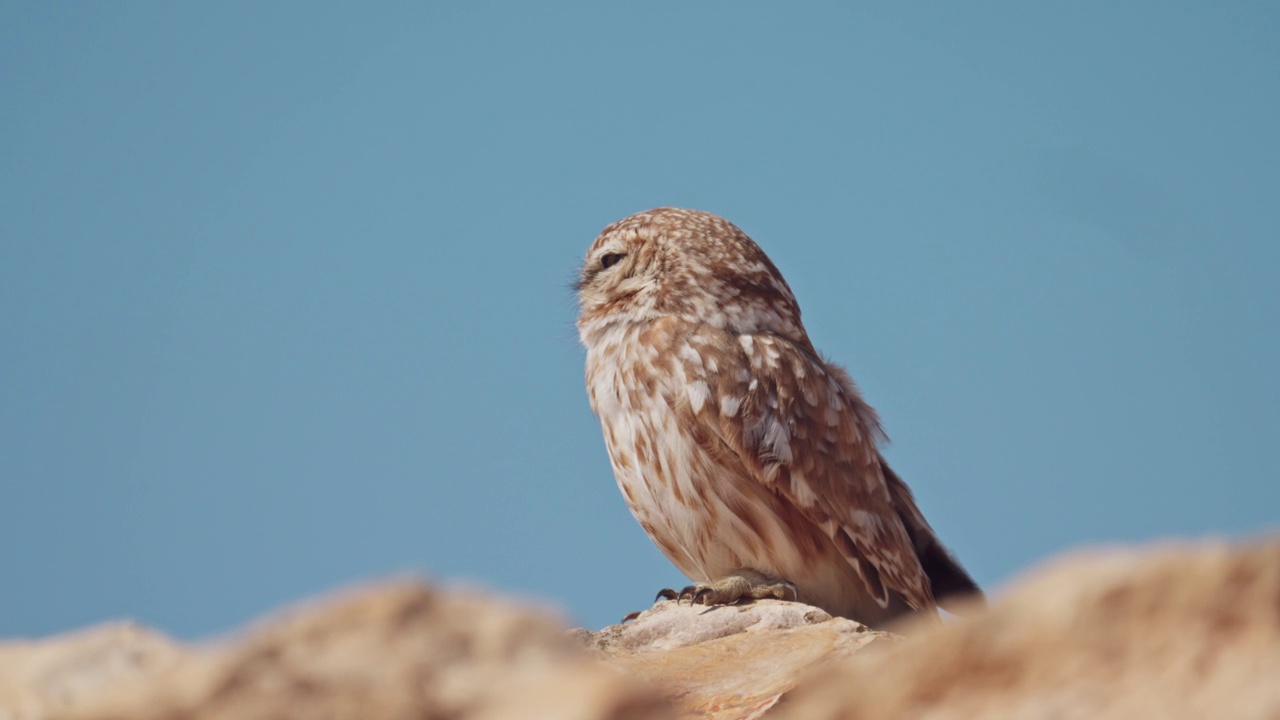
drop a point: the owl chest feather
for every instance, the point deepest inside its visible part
(653, 458)
(678, 478)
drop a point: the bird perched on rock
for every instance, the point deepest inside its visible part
(751, 462)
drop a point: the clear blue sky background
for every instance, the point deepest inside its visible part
(284, 303)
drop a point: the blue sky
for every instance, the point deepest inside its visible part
(284, 291)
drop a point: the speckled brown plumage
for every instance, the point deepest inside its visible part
(738, 448)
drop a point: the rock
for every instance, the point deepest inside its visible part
(80, 669)
(730, 661)
(396, 651)
(1175, 632)
(1189, 631)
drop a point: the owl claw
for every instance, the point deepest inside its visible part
(666, 594)
(728, 590)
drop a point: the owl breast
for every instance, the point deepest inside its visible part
(653, 389)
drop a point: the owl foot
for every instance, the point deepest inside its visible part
(729, 590)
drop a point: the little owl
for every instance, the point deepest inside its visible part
(750, 461)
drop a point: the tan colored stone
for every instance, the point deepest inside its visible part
(1182, 631)
(397, 651)
(80, 669)
(1186, 631)
(731, 662)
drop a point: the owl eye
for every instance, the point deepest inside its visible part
(608, 260)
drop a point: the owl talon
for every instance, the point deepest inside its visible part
(666, 594)
(742, 585)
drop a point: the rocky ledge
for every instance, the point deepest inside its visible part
(1177, 631)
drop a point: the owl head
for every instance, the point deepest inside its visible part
(688, 264)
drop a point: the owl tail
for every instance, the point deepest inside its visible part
(953, 589)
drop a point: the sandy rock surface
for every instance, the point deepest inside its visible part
(1182, 631)
(1179, 631)
(402, 650)
(79, 669)
(730, 661)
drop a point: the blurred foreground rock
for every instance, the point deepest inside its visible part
(1173, 632)
(402, 650)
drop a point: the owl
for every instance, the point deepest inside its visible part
(751, 462)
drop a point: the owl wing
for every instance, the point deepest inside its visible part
(799, 426)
